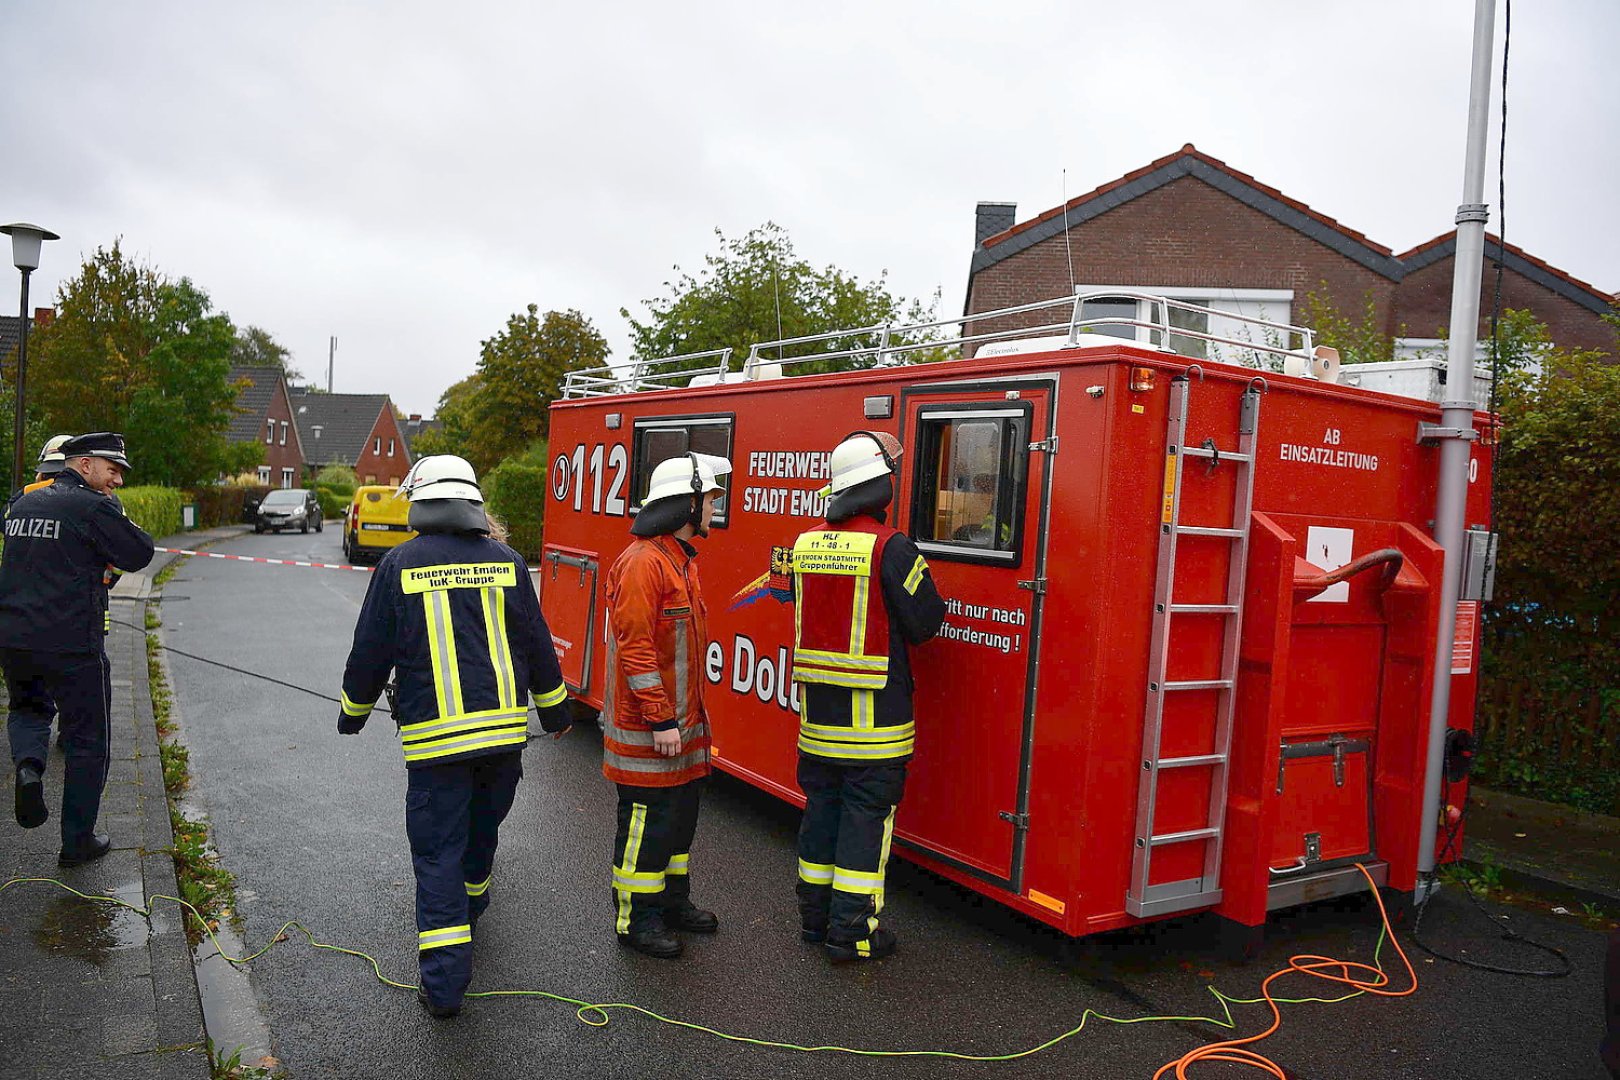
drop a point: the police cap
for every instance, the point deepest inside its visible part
(101, 444)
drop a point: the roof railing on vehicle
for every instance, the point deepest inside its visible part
(890, 345)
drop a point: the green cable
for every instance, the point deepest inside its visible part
(595, 1014)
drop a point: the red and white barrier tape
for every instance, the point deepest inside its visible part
(275, 562)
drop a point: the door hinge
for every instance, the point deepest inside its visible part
(1049, 444)
(1019, 821)
(1034, 585)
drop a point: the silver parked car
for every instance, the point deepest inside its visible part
(289, 508)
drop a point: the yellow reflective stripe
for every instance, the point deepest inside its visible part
(450, 935)
(864, 947)
(815, 873)
(840, 678)
(451, 725)
(873, 752)
(857, 619)
(883, 859)
(441, 633)
(861, 709)
(552, 697)
(500, 659)
(632, 849)
(678, 864)
(864, 882)
(482, 741)
(355, 708)
(480, 888)
(826, 658)
(835, 732)
(638, 881)
(914, 578)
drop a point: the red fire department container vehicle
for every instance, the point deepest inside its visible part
(1193, 602)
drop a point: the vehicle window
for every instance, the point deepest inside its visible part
(969, 493)
(284, 497)
(666, 437)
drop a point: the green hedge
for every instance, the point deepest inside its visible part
(334, 504)
(224, 504)
(155, 509)
(516, 493)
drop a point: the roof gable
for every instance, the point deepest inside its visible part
(345, 422)
(1521, 262)
(1190, 162)
(253, 400)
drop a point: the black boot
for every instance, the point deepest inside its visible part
(879, 944)
(30, 804)
(85, 851)
(438, 1012)
(692, 918)
(656, 941)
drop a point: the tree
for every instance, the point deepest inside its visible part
(520, 372)
(455, 419)
(132, 351)
(254, 347)
(756, 289)
(1360, 340)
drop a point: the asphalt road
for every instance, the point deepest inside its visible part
(313, 827)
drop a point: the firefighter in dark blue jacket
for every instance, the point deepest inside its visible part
(454, 614)
(59, 541)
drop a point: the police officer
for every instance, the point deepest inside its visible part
(53, 624)
(863, 595)
(454, 614)
(655, 730)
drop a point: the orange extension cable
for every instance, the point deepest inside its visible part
(1373, 981)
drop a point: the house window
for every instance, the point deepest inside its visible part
(264, 474)
(284, 433)
(667, 437)
(371, 478)
(972, 465)
(390, 447)
(1232, 316)
(286, 477)
(269, 432)
(376, 445)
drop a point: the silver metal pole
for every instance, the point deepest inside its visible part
(331, 359)
(1456, 431)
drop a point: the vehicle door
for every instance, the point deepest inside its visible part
(975, 485)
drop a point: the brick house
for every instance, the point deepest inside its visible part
(360, 431)
(1191, 227)
(264, 415)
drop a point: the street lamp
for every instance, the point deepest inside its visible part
(26, 240)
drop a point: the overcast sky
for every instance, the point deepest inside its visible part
(407, 175)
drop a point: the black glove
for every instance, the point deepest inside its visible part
(349, 725)
(555, 718)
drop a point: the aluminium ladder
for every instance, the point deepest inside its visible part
(1144, 897)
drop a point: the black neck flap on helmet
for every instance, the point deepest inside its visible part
(448, 516)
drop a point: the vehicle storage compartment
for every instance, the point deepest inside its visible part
(567, 584)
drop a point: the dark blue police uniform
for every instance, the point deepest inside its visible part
(53, 624)
(456, 617)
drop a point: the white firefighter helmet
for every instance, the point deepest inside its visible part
(51, 458)
(863, 456)
(689, 474)
(441, 476)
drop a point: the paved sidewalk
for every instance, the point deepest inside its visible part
(1544, 846)
(93, 990)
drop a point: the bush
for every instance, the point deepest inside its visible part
(516, 493)
(225, 504)
(155, 509)
(333, 504)
(339, 479)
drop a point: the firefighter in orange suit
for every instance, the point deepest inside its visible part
(655, 730)
(863, 595)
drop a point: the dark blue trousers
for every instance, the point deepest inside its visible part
(453, 815)
(844, 840)
(80, 685)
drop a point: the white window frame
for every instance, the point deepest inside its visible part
(390, 447)
(286, 476)
(264, 474)
(1219, 300)
(283, 433)
(376, 444)
(269, 432)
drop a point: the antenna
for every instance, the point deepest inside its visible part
(331, 359)
(1067, 250)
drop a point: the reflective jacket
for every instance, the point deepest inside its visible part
(658, 631)
(456, 616)
(59, 542)
(862, 593)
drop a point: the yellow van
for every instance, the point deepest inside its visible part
(375, 522)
